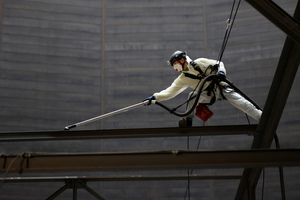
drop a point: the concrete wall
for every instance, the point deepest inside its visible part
(66, 61)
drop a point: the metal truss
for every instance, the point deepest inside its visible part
(80, 182)
(75, 184)
(129, 133)
(157, 160)
(95, 161)
(278, 17)
(280, 88)
(121, 178)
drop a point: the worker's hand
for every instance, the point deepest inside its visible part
(215, 67)
(150, 99)
(222, 75)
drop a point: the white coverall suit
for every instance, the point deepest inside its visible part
(182, 82)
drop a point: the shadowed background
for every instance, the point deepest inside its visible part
(66, 61)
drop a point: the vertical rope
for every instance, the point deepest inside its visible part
(230, 22)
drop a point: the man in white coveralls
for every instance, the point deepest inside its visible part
(191, 73)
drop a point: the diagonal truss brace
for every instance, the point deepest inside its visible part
(278, 17)
(75, 184)
(279, 91)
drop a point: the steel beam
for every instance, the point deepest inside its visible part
(75, 184)
(278, 17)
(81, 181)
(276, 100)
(60, 191)
(121, 178)
(149, 160)
(83, 185)
(128, 133)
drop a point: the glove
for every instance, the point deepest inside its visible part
(222, 75)
(215, 67)
(149, 99)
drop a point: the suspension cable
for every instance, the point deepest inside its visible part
(230, 22)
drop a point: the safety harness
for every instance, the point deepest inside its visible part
(201, 75)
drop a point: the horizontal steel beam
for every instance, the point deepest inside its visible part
(121, 178)
(128, 133)
(149, 160)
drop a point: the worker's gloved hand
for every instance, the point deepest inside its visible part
(150, 100)
(222, 75)
(215, 67)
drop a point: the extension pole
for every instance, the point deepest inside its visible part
(144, 103)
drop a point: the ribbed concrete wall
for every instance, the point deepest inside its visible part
(50, 60)
(66, 61)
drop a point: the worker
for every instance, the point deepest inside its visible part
(191, 75)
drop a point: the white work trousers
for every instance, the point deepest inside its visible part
(232, 96)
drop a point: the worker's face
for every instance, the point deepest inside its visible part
(181, 62)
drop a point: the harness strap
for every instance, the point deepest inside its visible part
(210, 88)
(193, 76)
(197, 68)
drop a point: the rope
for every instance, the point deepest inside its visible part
(230, 22)
(190, 172)
(8, 168)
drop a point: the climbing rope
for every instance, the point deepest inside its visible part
(229, 22)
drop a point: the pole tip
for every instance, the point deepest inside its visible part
(69, 127)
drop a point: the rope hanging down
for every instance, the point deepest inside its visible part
(230, 22)
(224, 43)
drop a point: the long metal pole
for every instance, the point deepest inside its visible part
(144, 103)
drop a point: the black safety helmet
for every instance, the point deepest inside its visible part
(177, 55)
